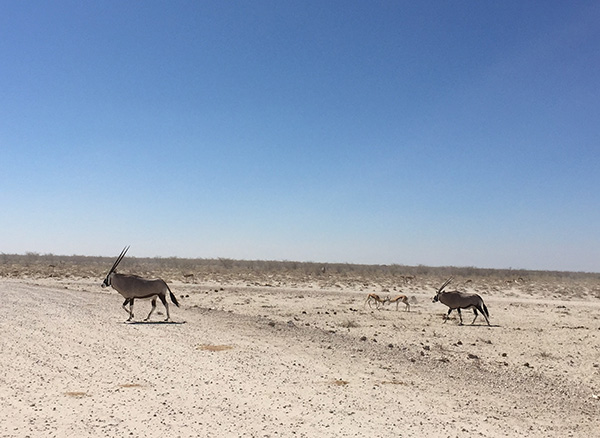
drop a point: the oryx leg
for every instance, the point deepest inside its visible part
(130, 310)
(482, 312)
(475, 312)
(151, 310)
(460, 316)
(163, 298)
(447, 315)
(484, 315)
(125, 304)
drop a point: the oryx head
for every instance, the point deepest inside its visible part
(439, 291)
(106, 281)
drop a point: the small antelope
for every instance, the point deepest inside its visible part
(132, 287)
(377, 299)
(460, 300)
(407, 278)
(398, 299)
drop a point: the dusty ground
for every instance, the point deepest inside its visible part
(287, 358)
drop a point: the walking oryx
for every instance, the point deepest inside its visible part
(132, 287)
(460, 300)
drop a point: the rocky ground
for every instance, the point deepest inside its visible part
(287, 356)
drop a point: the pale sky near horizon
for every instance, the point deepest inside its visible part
(461, 133)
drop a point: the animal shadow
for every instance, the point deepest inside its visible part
(155, 322)
(481, 325)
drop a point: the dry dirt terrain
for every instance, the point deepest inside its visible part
(297, 357)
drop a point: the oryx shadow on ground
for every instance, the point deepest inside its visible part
(155, 322)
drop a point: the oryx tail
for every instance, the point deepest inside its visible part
(174, 299)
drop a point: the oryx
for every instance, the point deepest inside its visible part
(461, 300)
(132, 287)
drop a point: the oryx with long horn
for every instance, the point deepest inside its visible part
(132, 287)
(461, 300)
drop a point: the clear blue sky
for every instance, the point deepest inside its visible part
(461, 133)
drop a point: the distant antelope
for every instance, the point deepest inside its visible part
(398, 299)
(407, 278)
(460, 300)
(377, 299)
(132, 287)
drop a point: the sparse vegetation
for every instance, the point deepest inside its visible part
(304, 274)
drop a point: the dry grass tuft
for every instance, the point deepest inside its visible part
(349, 323)
(392, 382)
(76, 394)
(338, 382)
(211, 347)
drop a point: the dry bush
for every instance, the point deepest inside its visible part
(349, 323)
(76, 394)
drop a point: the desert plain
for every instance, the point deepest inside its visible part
(283, 349)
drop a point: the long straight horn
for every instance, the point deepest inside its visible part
(114, 266)
(446, 283)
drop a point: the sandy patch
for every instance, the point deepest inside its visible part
(297, 360)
